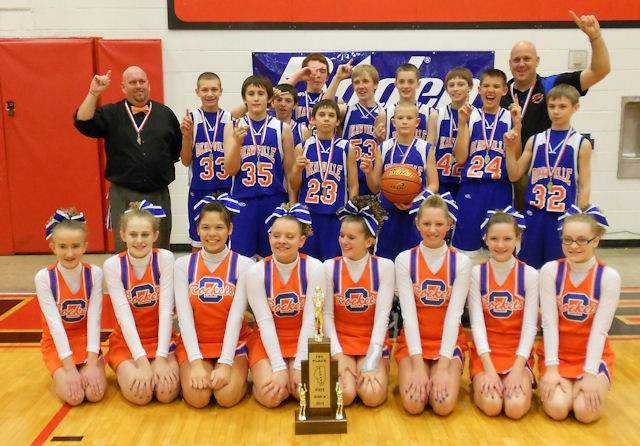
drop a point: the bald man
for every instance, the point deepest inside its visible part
(142, 143)
(530, 89)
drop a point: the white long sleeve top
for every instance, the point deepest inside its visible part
(122, 308)
(183, 303)
(47, 301)
(609, 297)
(384, 299)
(434, 257)
(501, 271)
(253, 288)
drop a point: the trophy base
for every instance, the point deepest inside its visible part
(321, 425)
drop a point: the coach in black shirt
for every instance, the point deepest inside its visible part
(142, 143)
(531, 89)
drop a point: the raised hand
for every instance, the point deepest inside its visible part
(239, 132)
(510, 142)
(366, 164)
(345, 70)
(588, 24)
(301, 162)
(99, 83)
(186, 126)
(464, 113)
(516, 111)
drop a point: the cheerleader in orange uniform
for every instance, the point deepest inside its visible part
(280, 289)
(503, 309)
(205, 286)
(356, 314)
(578, 297)
(140, 283)
(433, 282)
(70, 297)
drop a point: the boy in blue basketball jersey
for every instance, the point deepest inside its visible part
(258, 151)
(202, 151)
(359, 120)
(479, 147)
(443, 129)
(407, 83)
(284, 103)
(400, 232)
(315, 73)
(558, 164)
(324, 177)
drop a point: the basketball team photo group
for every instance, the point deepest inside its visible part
(361, 241)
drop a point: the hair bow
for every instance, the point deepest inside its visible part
(155, 210)
(448, 199)
(365, 213)
(297, 211)
(228, 202)
(58, 217)
(508, 210)
(593, 211)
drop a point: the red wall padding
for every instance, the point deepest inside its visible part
(6, 232)
(49, 164)
(117, 55)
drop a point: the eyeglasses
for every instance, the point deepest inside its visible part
(580, 242)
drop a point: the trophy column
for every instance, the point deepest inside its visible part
(321, 410)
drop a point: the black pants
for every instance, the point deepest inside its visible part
(120, 197)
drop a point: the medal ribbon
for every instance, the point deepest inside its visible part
(526, 101)
(325, 175)
(489, 142)
(366, 112)
(405, 155)
(263, 131)
(551, 172)
(206, 129)
(451, 122)
(133, 121)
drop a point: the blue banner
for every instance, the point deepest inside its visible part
(433, 66)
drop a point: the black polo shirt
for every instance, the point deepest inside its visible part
(536, 118)
(144, 167)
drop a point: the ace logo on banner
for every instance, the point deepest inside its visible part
(433, 66)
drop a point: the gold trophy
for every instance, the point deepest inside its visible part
(321, 408)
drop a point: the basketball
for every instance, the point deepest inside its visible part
(401, 183)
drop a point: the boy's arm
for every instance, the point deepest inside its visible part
(600, 65)
(516, 167)
(186, 127)
(352, 173)
(239, 111)
(461, 149)
(584, 169)
(342, 73)
(432, 125)
(380, 126)
(295, 174)
(374, 173)
(233, 136)
(287, 149)
(432, 171)
(299, 76)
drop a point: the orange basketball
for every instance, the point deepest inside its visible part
(401, 183)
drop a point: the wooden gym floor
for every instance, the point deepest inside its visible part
(33, 415)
